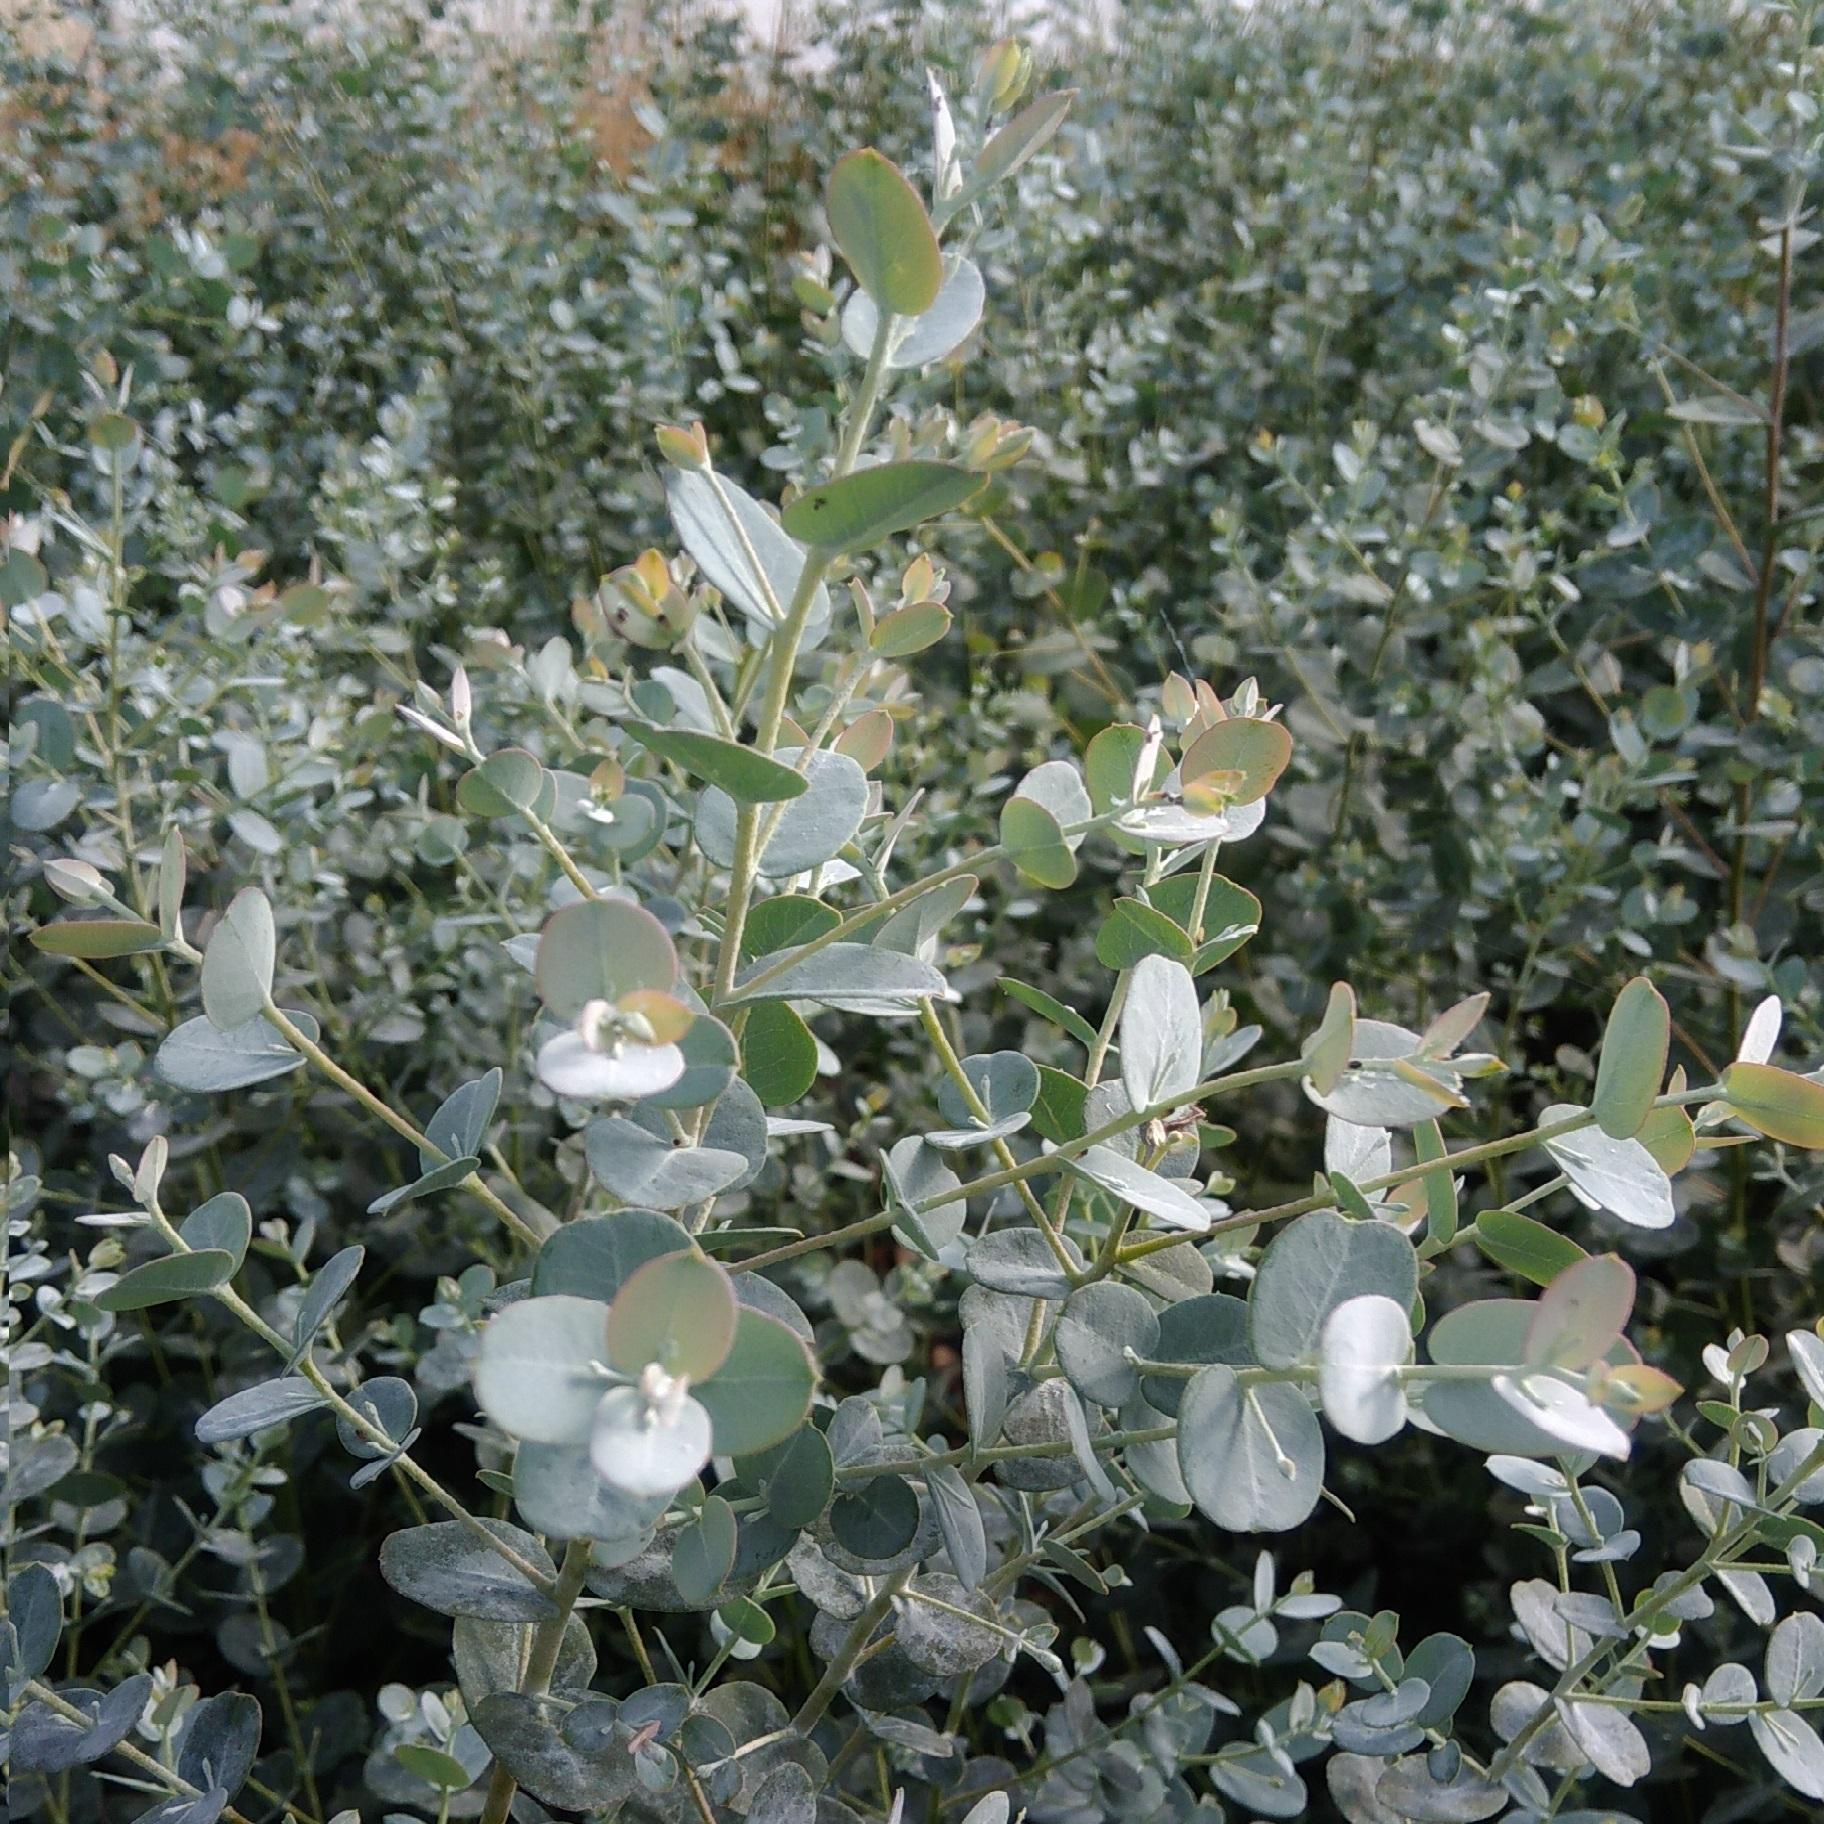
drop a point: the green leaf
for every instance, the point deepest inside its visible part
(797, 1477)
(444, 1177)
(853, 978)
(1035, 841)
(678, 1311)
(1312, 1267)
(503, 785)
(959, 1520)
(594, 1256)
(460, 1124)
(238, 963)
(1161, 1033)
(446, 1568)
(1581, 1316)
(1632, 1063)
(1327, 1051)
(1777, 1103)
(778, 1054)
(810, 831)
(1006, 1083)
(160, 1282)
(1013, 145)
(225, 1222)
(96, 939)
(600, 950)
(903, 631)
(761, 1393)
(704, 1553)
(877, 1519)
(745, 775)
(424, 1762)
(1048, 1008)
(323, 1296)
(199, 1056)
(881, 227)
(1099, 1329)
(1231, 915)
(273, 1402)
(784, 922)
(740, 548)
(1244, 753)
(536, 1372)
(1440, 1184)
(1253, 1458)
(857, 511)
(1134, 930)
(1518, 1244)
(1058, 1110)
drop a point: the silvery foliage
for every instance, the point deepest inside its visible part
(681, 845)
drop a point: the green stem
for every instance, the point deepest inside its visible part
(134, 1756)
(547, 1644)
(352, 1086)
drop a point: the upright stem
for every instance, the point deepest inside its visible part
(295, 1036)
(547, 1644)
(811, 1712)
(783, 656)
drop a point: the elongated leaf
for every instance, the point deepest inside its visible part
(241, 1414)
(884, 233)
(741, 549)
(161, 1282)
(1777, 1103)
(856, 978)
(238, 963)
(1161, 1033)
(1521, 1245)
(1145, 1190)
(324, 1294)
(745, 775)
(445, 1567)
(96, 939)
(1633, 1060)
(199, 1056)
(858, 510)
(1014, 144)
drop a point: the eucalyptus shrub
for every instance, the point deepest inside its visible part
(691, 1539)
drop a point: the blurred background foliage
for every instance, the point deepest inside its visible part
(1452, 367)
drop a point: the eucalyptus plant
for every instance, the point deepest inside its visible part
(695, 1543)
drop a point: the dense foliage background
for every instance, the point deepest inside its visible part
(1452, 368)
